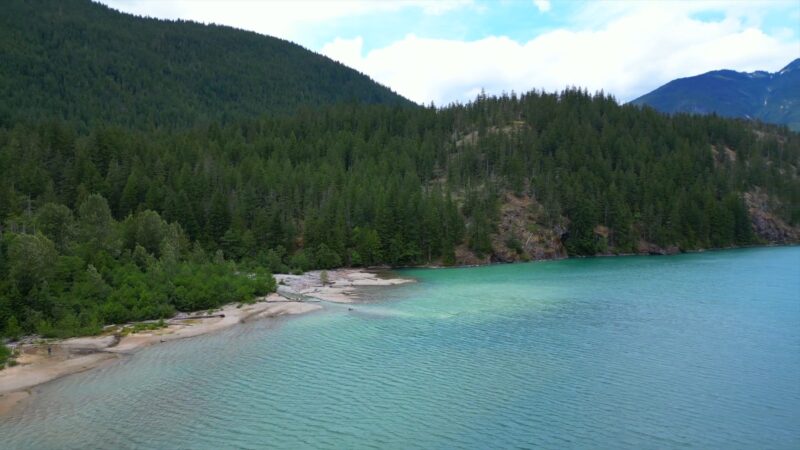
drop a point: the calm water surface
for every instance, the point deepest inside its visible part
(692, 351)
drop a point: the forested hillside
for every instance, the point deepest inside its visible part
(88, 64)
(144, 170)
(112, 223)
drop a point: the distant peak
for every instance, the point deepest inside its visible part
(768, 96)
(759, 74)
(794, 65)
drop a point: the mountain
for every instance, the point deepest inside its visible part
(769, 97)
(82, 61)
(149, 167)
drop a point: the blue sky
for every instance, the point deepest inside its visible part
(519, 20)
(448, 50)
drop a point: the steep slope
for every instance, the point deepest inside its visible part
(769, 97)
(82, 61)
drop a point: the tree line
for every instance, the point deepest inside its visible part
(115, 223)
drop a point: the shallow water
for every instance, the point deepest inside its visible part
(690, 351)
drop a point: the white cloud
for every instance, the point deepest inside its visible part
(346, 51)
(288, 19)
(542, 5)
(634, 52)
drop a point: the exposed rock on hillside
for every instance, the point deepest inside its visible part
(767, 225)
(520, 235)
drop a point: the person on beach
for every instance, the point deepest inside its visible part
(49, 351)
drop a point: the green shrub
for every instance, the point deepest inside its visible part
(13, 330)
(327, 258)
(514, 244)
(5, 354)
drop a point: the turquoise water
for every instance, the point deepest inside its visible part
(690, 351)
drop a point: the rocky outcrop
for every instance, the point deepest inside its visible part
(520, 236)
(648, 248)
(766, 224)
(466, 257)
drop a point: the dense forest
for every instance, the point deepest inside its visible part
(148, 167)
(71, 273)
(116, 224)
(84, 61)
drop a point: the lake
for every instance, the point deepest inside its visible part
(690, 351)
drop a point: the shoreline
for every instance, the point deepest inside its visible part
(296, 295)
(599, 255)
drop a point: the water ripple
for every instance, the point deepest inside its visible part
(617, 353)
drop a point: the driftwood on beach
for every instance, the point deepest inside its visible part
(209, 316)
(294, 297)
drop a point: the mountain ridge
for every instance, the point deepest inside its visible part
(82, 61)
(772, 97)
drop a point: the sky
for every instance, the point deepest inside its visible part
(449, 50)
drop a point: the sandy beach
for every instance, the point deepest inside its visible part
(296, 294)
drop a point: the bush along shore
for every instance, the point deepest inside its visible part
(40, 360)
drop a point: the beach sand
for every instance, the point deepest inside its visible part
(297, 294)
